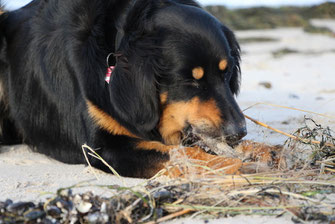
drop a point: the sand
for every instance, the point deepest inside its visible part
(27, 175)
(304, 80)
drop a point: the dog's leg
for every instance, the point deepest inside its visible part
(259, 156)
(258, 151)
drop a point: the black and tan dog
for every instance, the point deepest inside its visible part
(176, 66)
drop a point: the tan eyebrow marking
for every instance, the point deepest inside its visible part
(223, 64)
(198, 72)
(164, 97)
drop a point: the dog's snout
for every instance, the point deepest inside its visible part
(235, 133)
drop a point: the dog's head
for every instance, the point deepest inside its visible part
(179, 68)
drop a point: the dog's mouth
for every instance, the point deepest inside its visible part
(190, 138)
(213, 144)
(193, 134)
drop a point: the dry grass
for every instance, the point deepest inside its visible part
(299, 188)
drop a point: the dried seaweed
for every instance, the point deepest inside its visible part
(307, 153)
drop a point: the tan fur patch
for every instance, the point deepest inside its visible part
(175, 116)
(163, 98)
(198, 72)
(180, 166)
(153, 145)
(106, 122)
(2, 91)
(223, 64)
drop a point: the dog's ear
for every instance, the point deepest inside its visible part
(133, 91)
(235, 54)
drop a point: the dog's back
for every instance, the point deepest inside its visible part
(9, 23)
(39, 86)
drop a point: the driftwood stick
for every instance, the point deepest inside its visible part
(171, 216)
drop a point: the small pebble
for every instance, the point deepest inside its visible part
(20, 206)
(103, 208)
(54, 211)
(294, 96)
(34, 215)
(77, 199)
(84, 207)
(159, 212)
(8, 202)
(161, 195)
(97, 218)
(267, 85)
(62, 204)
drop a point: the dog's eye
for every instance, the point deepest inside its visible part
(198, 73)
(223, 64)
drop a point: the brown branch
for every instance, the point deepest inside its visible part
(171, 216)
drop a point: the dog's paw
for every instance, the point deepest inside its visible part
(258, 152)
(226, 165)
(258, 157)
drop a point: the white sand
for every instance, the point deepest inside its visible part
(305, 80)
(309, 72)
(27, 175)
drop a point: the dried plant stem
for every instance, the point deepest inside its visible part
(88, 162)
(172, 216)
(331, 170)
(290, 108)
(288, 135)
(97, 156)
(222, 209)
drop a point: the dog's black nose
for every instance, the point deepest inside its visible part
(234, 134)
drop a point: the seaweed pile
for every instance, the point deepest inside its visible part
(316, 147)
(270, 194)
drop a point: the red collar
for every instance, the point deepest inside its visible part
(109, 73)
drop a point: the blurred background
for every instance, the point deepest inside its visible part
(12, 4)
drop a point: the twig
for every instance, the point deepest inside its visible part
(290, 108)
(298, 196)
(97, 156)
(171, 216)
(88, 162)
(223, 209)
(307, 141)
(101, 159)
(331, 170)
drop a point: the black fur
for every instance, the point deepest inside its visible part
(53, 60)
